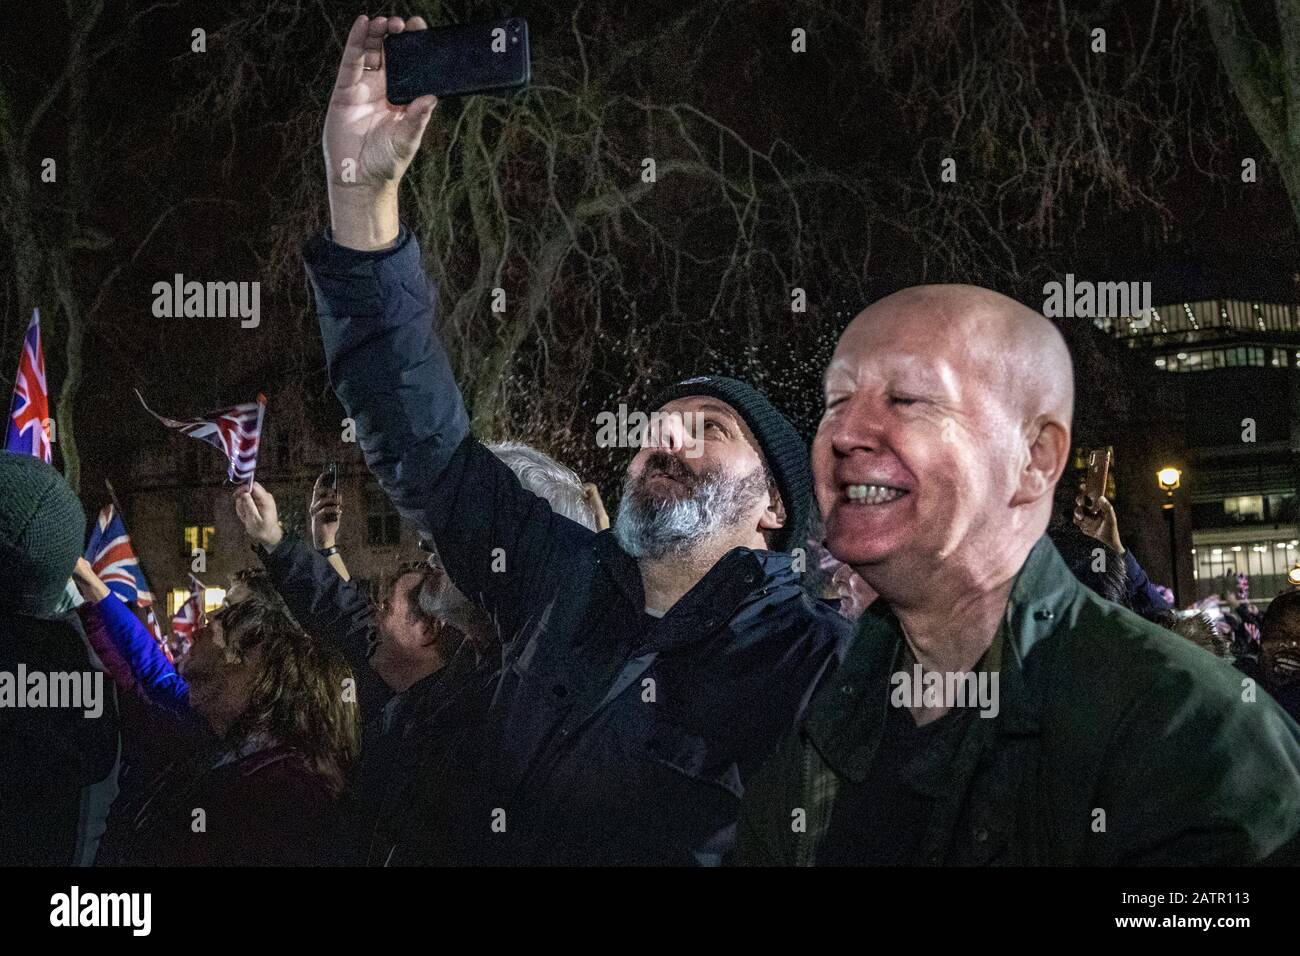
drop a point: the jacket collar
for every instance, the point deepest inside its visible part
(739, 574)
(438, 695)
(847, 716)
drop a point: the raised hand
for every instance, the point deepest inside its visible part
(592, 495)
(88, 582)
(258, 513)
(369, 142)
(325, 512)
(1099, 521)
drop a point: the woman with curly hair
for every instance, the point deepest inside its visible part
(267, 731)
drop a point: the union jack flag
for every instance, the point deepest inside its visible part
(151, 621)
(111, 556)
(186, 618)
(236, 431)
(30, 410)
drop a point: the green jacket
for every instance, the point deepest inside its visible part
(1116, 742)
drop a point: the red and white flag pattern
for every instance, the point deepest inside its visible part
(27, 432)
(236, 431)
(186, 618)
(151, 621)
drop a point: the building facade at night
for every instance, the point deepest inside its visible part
(1228, 418)
(177, 501)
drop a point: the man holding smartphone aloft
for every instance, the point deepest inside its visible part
(649, 669)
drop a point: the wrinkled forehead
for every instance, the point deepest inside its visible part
(936, 353)
(397, 591)
(920, 374)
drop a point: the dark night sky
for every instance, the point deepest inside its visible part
(230, 177)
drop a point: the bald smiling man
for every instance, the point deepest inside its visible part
(991, 709)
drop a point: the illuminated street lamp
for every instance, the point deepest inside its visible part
(1293, 575)
(1169, 478)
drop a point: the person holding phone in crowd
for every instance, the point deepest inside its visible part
(650, 668)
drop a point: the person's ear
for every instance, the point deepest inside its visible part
(773, 516)
(1048, 452)
(430, 632)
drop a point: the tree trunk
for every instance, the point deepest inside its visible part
(1269, 98)
(67, 435)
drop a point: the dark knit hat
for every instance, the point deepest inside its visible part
(782, 448)
(41, 527)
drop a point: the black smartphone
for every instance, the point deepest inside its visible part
(331, 474)
(457, 60)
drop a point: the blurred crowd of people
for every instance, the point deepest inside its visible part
(338, 729)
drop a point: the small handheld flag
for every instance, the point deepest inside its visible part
(151, 621)
(236, 431)
(27, 432)
(186, 618)
(113, 559)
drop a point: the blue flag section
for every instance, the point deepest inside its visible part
(113, 559)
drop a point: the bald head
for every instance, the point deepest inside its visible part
(947, 425)
(997, 339)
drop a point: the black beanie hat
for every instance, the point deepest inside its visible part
(41, 527)
(783, 449)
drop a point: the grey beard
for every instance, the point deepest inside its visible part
(646, 528)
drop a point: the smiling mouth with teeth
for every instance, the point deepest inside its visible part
(873, 494)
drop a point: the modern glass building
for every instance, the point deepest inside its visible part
(1238, 366)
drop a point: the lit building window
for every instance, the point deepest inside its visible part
(213, 598)
(1264, 561)
(198, 536)
(1244, 508)
(1248, 356)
